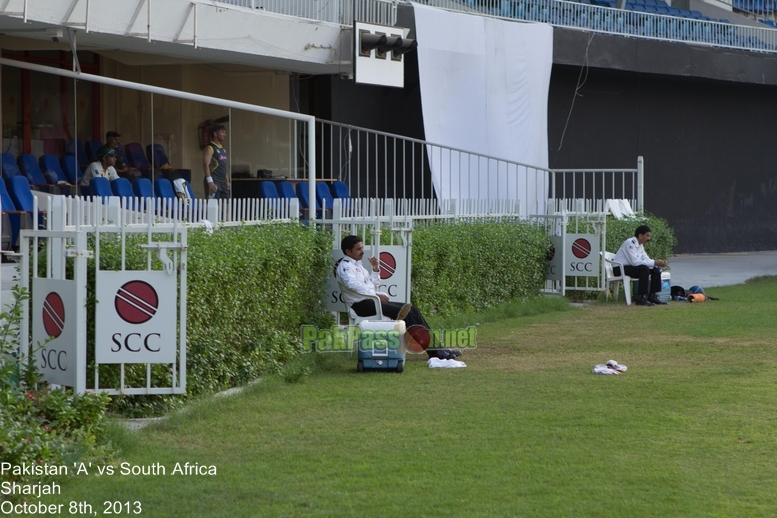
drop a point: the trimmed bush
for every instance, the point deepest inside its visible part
(468, 266)
(249, 288)
(40, 426)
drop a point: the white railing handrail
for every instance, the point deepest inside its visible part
(623, 22)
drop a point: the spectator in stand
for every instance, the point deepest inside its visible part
(112, 142)
(103, 166)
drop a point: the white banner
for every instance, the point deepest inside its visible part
(484, 88)
(136, 317)
(393, 275)
(54, 317)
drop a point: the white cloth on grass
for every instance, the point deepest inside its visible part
(437, 363)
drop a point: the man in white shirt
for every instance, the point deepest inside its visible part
(350, 272)
(103, 166)
(637, 264)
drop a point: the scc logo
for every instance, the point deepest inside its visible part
(136, 302)
(388, 265)
(581, 248)
(53, 314)
(551, 254)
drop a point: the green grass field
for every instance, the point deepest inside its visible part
(525, 430)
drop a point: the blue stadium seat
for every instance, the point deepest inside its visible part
(286, 190)
(159, 157)
(51, 168)
(143, 188)
(122, 188)
(339, 190)
(267, 189)
(71, 169)
(10, 169)
(163, 189)
(21, 196)
(100, 186)
(323, 196)
(11, 219)
(136, 158)
(29, 166)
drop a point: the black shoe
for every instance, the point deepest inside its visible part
(456, 353)
(643, 301)
(655, 300)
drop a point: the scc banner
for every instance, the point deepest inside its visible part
(136, 317)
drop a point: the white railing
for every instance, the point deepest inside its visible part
(90, 212)
(607, 20)
(343, 12)
(381, 165)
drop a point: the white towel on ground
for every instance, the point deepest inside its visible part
(436, 363)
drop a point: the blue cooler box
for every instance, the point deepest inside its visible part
(665, 295)
(381, 345)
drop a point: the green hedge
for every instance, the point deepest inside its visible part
(249, 288)
(476, 265)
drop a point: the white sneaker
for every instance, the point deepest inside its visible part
(615, 365)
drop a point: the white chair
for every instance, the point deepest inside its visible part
(611, 278)
(353, 318)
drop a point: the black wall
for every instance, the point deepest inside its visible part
(701, 117)
(707, 143)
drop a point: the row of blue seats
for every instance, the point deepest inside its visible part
(56, 170)
(132, 154)
(325, 193)
(140, 188)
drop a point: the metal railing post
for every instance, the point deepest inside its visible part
(640, 184)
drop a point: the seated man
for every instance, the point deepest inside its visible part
(103, 166)
(112, 140)
(350, 272)
(637, 264)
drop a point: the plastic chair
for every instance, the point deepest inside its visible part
(286, 189)
(158, 158)
(122, 188)
(611, 278)
(323, 196)
(71, 169)
(21, 196)
(353, 318)
(267, 189)
(29, 166)
(164, 189)
(136, 158)
(304, 199)
(91, 148)
(11, 219)
(143, 188)
(10, 169)
(51, 167)
(100, 186)
(339, 190)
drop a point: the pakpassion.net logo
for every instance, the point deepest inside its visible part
(415, 340)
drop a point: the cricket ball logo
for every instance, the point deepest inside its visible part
(136, 302)
(53, 314)
(388, 265)
(581, 248)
